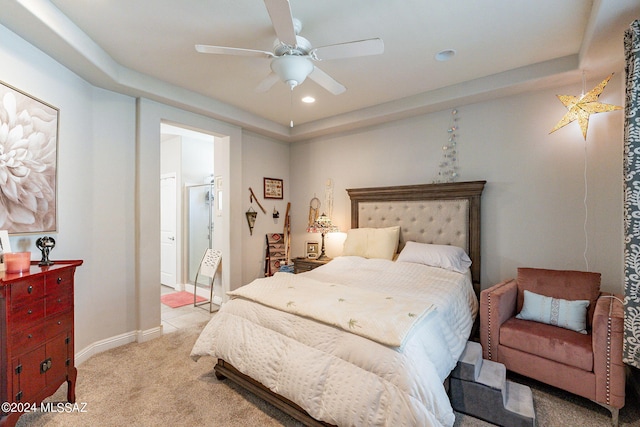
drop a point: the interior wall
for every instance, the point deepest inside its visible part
(95, 189)
(108, 188)
(532, 207)
(108, 195)
(262, 157)
(150, 114)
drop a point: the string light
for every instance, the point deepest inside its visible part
(449, 163)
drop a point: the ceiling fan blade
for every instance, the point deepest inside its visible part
(222, 50)
(282, 20)
(326, 81)
(348, 49)
(268, 82)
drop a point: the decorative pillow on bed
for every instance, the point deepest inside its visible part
(372, 242)
(564, 313)
(443, 256)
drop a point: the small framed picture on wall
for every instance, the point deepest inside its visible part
(312, 250)
(272, 188)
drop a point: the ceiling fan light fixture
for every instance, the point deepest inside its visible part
(292, 69)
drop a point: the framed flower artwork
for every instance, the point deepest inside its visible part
(28, 166)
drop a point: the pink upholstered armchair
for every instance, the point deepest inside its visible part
(588, 364)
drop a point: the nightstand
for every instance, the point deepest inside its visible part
(301, 264)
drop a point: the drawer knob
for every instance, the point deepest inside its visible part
(30, 336)
(45, 365)
(59, 280)
(29, 311)
(30, 289)
(59, 322)
(59, 299)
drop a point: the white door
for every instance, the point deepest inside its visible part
(168, 251)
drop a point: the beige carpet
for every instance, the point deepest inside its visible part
(157, 384)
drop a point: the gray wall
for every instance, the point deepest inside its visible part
(108, 187)
(532, 208)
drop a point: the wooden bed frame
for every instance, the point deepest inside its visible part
(468, 193)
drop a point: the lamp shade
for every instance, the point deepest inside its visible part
(322, 225)
(292, 69)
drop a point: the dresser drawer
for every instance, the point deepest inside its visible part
(59, 324)
(24, 291)
(57, 303)
(28, 338)
(59, 283)
(26, 316)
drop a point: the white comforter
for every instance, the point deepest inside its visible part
(343, 378)
(380, 316)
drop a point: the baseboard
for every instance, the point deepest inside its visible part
(116, 341)
(149, 334)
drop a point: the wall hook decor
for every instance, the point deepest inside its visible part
(276, 214)
(253, 197)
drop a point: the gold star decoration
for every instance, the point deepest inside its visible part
(580, 108)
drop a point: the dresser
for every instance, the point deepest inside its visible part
(36, 337)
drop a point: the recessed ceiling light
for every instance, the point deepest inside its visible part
(308, 99)
(445, 55)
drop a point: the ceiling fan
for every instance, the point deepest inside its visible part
(293, 56)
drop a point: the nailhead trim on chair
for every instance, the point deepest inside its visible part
(609, 356)
(489, 324)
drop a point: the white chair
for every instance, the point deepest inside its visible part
(208, 268)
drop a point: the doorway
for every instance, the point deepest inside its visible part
(187, 170)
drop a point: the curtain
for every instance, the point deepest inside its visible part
(631, 348)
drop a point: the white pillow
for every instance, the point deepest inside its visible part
(554, 311)
(444, 256)
(372, 242)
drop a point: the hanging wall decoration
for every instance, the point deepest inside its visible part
(28, 165)
(314, 210)
(580, 108)
(328, 198)
(449, 163)
(273, 188)
(251, 219)
(253, 198)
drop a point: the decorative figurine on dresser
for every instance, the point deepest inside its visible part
(36, 337)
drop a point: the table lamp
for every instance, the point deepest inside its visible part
(323, 226)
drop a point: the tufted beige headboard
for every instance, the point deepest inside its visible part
(445, 214)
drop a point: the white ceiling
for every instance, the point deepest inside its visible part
(146, 48)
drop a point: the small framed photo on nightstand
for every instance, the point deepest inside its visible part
(312, 250)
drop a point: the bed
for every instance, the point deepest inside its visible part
(289, 339)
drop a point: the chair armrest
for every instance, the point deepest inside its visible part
(497, 305)
(608, 330)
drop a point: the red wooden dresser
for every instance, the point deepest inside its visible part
(36, 337)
